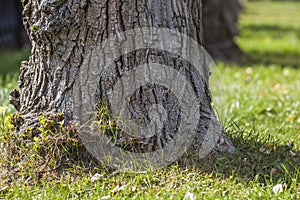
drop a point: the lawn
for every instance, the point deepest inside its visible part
(262, 117)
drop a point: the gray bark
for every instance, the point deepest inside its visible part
(64, 32)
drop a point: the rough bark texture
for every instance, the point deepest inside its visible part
(64, 32)
(220, 28)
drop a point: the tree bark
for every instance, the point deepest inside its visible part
(64, 34)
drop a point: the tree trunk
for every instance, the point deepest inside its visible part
(67, 43)
(220, 29)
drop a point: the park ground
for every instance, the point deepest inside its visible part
(262, 117)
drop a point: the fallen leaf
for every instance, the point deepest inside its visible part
(249, 70)
(96, 177)
(133, 189)
(278, 188)
(286, 72)
(118, 188)
(189, 196)
(3, 189)
(105, 197)
(291, 118)
(274, 170)
(261, 94)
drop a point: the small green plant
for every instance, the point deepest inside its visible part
(106, 121)
(23, 3)
(2, 113)
(34, 28)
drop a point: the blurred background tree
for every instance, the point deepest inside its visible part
(12, 32)
(220, 28)
(14, 43)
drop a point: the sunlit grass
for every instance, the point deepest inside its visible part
(266, 98)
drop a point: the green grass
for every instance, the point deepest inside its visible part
(7, 84)
(262, 118)
(9, 70)
(10, 61)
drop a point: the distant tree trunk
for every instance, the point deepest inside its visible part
(63, 33)
(19, 29)
(220, 28)
(12, 34)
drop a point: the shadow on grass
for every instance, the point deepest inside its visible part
(261, 56)
(270, 29)
(257, 158)
(281, 59)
